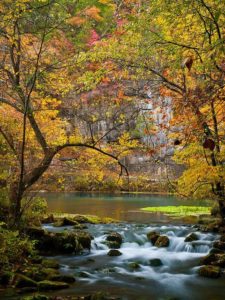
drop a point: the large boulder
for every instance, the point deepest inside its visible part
(49, 243)
(114, 240)
(162, 241)
(209, 271)
(153, 236)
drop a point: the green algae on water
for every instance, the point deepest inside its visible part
(177, 211)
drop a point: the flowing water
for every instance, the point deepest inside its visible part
(175, 278)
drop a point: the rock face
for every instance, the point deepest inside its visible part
(209, 271)
(114, 240)
(162, 241)
(114, 252)
(49, 243)
(191, 237)
(153, 236)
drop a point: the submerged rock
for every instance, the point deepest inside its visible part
(114, 252)
(153, 236)
(209, 271)
(155, 262)
(191, 237)
(162, 241)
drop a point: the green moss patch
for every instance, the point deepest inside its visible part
(179, 211)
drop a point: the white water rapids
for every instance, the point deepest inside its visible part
(176, 276)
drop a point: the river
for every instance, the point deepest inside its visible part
(124, 207)
(174, 276)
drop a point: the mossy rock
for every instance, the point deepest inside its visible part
(162, 241)
(35, 297)
(64, 242)
(219, 245)
(82, 219)
(134, 266)
(155, 262)
(113, 245)
(39, 273)
(48, 219)
(208, 259)
(114, 237)
(191, 237)
(153, 236)
(216, 251)
(97, 296)
(5, 277)
(209, 271)
(62, 278)
(36, 259)
(24, 281)
(65, 222)
(80, 226)
(46, 285)
(114, 252)
(50, 263)
(36, 232)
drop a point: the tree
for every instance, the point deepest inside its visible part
(178, 49)
(38, 54)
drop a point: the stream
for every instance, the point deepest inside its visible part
(175, 277)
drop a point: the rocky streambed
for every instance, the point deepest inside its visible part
(127, 261)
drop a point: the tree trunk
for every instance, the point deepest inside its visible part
(15, 198)
(221, 203)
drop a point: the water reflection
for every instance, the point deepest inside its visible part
(119, 206)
